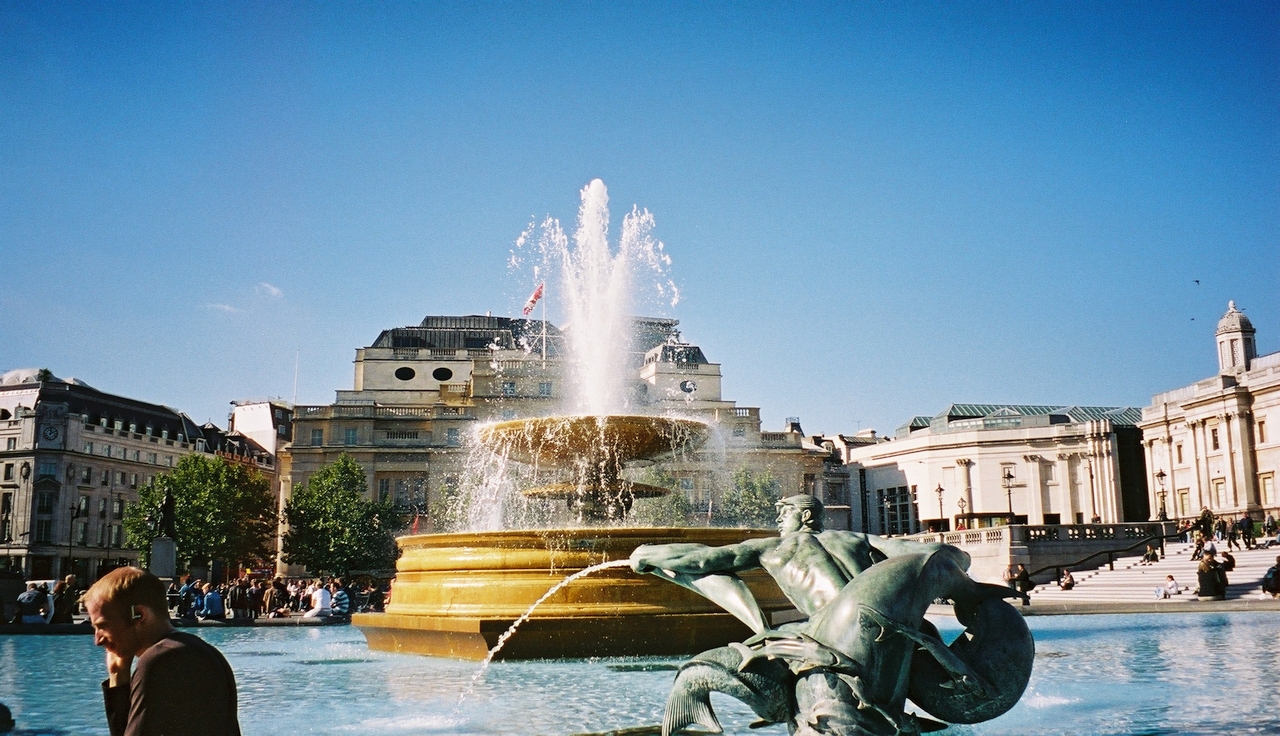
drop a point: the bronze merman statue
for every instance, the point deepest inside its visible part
(865, 646)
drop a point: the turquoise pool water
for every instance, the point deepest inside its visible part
(1136, 674)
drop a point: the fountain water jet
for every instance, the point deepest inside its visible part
(456, 594)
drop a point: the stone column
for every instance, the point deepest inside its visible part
(1198, 491)
(966, 482)
(1153, 486)
(1228, 449)
(1066, 505)
(1035, 501)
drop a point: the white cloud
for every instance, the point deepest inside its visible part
(272, 291)
(222, 308)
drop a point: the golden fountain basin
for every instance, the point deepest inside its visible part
(455, 594)
(558, 441)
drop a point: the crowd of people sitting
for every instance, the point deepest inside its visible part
(40, 605)
(247, 600)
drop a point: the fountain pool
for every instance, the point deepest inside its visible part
(1124, 674)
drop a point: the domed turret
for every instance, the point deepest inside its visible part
(1235, 341)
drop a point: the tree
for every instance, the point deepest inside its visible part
(750, 502)
(222, 511)
(672, 509)
(333, 528)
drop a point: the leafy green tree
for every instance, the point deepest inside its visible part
(749, 502)
(673, 509)
(334, 529)
(222, 511)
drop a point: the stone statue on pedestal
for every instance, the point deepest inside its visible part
(163, 560)
(865, 646)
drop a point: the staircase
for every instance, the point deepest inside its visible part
(1132, 582)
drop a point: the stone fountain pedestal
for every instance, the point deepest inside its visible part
(455, 594)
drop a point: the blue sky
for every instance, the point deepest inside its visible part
(873, 209)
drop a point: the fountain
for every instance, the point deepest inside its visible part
(458, 594)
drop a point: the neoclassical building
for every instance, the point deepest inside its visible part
(1208, 444)
(980, 465)
(420, 391)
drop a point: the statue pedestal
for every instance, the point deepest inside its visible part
(164, 558)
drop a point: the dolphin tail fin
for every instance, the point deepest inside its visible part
(685, 708)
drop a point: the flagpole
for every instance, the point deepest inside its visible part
(544, 325)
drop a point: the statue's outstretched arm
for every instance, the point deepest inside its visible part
(699, 559)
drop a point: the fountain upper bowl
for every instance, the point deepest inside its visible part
(622, 437)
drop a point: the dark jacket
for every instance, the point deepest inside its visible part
(1212, 578)
(182, 686)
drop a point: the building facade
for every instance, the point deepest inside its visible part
(71, 461)
(1209, 445)
(420, 391)
(981, 465)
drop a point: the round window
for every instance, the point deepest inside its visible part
(405, 374)
(442, 374)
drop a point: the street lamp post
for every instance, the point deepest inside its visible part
(71, 537)
(961, 503)
(941, 513)
(1008, 490)
(888, 504)
(1164, 515)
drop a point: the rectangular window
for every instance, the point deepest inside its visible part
(452, 437)
(86, 476)
(1267, 485)
(544, 388)
(1178, 451)
(317, 437)
(1262, 431)
(117, 536)
(102, 508)
(6, 506)
(1184, 502)
(82, 533)
(44, 503)
(151, 458)
(739, 431)
(1046, 472)
(278, 414)
(133, 428)
(1213, 438)
(133, 480)
(83, 507)
(106, 450)
(11, 443)
(508, 388)
(281, 430)
(102, 535)
(88, 448)
(168, 460)
(117, 508)
(137, 456)
(106, 477)
(8, 471)
(164, 434)
(349, 436)
(384, 488)
(44, 531)
(47, 469)
(508, 414)
(121, 477)
(1220, 493)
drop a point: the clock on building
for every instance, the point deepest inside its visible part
(688, 386)
(50, 434)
